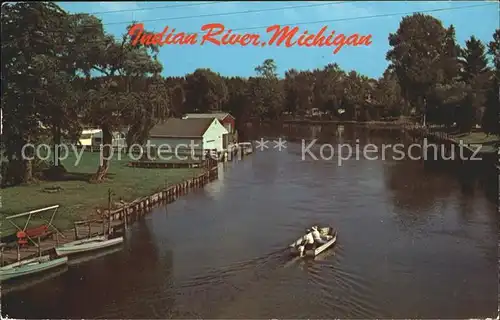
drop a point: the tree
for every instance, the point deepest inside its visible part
(387, 96)
(291, 92)
(423, 53)
(237, 103)
(329, 88)
(24, 77)
(494, 50)
(355, 102)
(474, 60)
(152, 101)
(205, 91)
(491, 118)
(267, 69)
(177, 99)
(476, 75)
(111, 104)
(266, 91)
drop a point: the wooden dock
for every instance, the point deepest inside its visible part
(112, 221)
(46, 246)
(164, 165)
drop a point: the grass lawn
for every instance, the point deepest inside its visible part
(78, 198)
(488, 141)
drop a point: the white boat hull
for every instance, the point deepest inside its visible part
(327, 231)
(87, 245)
(30, 266)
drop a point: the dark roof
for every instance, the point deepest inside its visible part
(181, 128)
(218, 115)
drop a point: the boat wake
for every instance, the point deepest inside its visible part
(269, 261)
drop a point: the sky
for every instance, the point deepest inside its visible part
(189, 17)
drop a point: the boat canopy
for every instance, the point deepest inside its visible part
(29, 214)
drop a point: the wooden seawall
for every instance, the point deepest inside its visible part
(130, 211)
(113, 222)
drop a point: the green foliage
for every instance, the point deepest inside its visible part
(491, 118)
(423, 54)
(494, 50)
(49, 93)
(267, 69)
(205, 91)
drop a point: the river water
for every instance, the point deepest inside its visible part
(414, 242)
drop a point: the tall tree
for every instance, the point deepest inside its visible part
(422, 55)
(329, 88)
(205, 91)
(152, 99)
(475, 74)
(267, 69)
(110, 101)
(291, 89)
(491, 118)
(267, 91)
(494, 50)
(387, 96)
(28, 56)
(237, 102)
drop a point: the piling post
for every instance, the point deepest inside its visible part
(124, 213)
(1, 256)
(109, 210)
(39, 248)
(18, 253)
(90, 230)
(76, 231)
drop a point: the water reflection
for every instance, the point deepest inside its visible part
(411, 245)
(114, 285)
(27, 282)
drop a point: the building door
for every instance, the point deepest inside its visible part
(225, 141)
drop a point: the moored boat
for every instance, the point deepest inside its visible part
(85, 245)
(30, 266)
(32, 280)
(326, 232)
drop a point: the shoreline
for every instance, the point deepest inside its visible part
(414, 129)
(114, 220)
(395, 123)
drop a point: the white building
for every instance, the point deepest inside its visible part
(87, 135)
(118, 139)
(226, 119)
(188, 136)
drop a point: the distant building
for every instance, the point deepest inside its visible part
(226, 119)
(118, 141)
(185, 136)
(86, 137)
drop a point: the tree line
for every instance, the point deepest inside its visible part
(62, 72)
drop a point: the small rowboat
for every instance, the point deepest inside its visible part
(30, 266)
(86, 245)
(326, 232)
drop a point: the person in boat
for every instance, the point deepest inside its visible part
(307, 242)
(318, 239)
